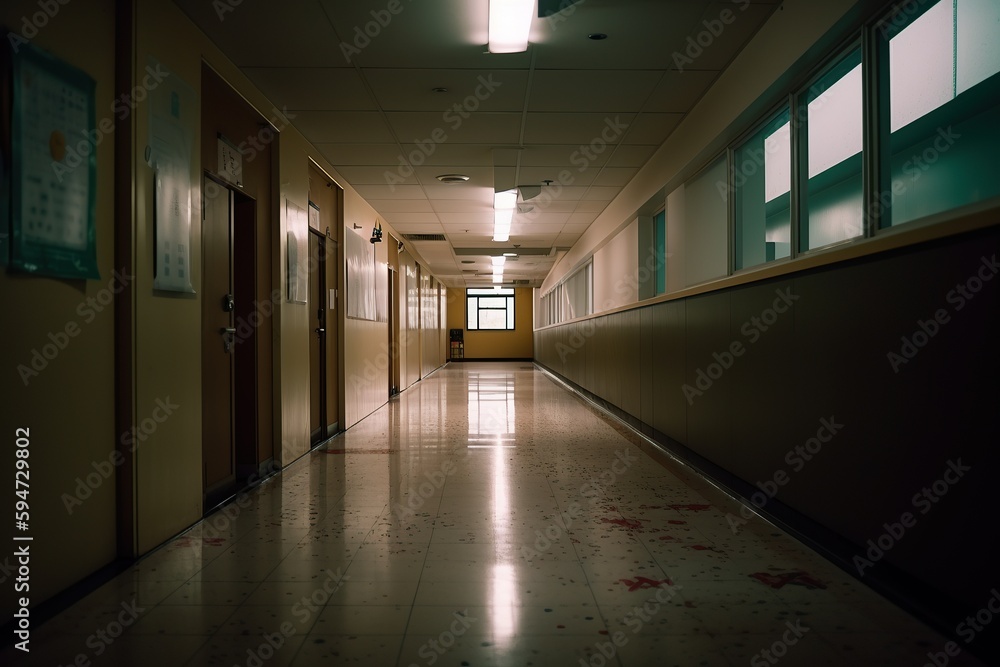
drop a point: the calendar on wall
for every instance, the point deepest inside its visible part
(54, 139)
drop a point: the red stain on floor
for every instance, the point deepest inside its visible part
(667, 538)
(702, 547)
(780, 579)
(690, 507)
(641, 583)
(676, 522)
(630, 524)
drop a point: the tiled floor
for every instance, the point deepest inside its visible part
(485, 517)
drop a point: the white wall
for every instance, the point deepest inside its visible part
(615, 270)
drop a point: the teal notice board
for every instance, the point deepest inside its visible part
(53, 170)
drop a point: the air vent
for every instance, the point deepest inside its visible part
(424, 237)
(520, 282)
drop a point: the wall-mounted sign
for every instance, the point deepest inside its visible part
(54, 139)
(230, 162)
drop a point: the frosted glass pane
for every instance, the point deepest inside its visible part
(836, 123)
(510, 312)
(921, 66)
(706, 224)
(777, 163)
(493, 319)
(978, 41)
(473, 314)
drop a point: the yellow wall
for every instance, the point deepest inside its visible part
(69, 405)
(517, 344)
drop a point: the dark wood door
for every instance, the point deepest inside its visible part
(317, 338)
(218, 342)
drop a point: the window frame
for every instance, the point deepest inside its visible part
(510, 307)
(787, 105)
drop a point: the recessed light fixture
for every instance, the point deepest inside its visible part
(510, 24)
(597, 36)
(468, 261)
(452, 178)
(510, 254)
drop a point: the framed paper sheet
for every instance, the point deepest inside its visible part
(173, 118)
(314, 217)
(298, 252)
(359, 254)
(53, 167)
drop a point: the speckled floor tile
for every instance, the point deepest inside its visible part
(487, 516)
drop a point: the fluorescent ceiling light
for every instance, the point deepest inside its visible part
(498, 261)
(510, 23)
(498, 279)
(503, 213)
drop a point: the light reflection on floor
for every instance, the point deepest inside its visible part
(485, 517)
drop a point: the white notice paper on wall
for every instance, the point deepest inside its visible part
(173, 112)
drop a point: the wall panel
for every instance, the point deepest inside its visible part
(891, 425)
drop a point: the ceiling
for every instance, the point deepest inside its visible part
(393, 100)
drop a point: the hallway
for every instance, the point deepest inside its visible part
(485, 516)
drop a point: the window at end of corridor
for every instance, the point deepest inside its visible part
(489, 309)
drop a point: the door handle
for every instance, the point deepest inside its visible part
(227, 330)
(320, 330)
(228, 338)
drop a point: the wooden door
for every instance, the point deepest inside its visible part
(317, 339)
(218, 342)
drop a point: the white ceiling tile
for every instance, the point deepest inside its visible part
(409, 217)
(603, 91)
(615, 176)
(535, 175)
(467, 220)
(550, 155)
(653, 128)
(640, 35)
(246, 33)
(472, 155)
(428, 130)
(401, 204)
(380, 175)
(679, 90)
(601, 193)
(387, 155)
(467, 193)
(313, 88)
(464, 206)
(342, 126)
(370, 192)
(470, 226)
(540, 216)
(591, 131)
(467, 90)
(630, 156)
(591, 206)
